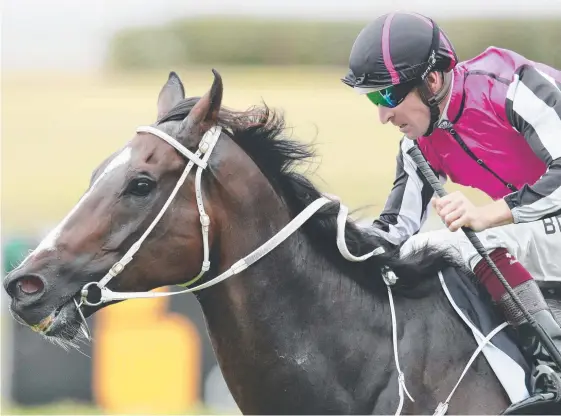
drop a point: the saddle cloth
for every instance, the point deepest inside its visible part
(473, 305)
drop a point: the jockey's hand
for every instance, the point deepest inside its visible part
(457, 211)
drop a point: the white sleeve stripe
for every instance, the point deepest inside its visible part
(512, 87)
(411, 208)
(409, 218)
(543, 118)
(408, 205)
(542, 207)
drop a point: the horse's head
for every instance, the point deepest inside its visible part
(142, 195)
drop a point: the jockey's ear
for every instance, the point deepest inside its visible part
(435, 81)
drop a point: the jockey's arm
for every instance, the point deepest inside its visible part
(407, 206)
(533, 107)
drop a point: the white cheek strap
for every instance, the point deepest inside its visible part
(206, 146)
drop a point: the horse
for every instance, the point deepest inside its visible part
(296, 327)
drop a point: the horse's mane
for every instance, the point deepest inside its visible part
(260, 133)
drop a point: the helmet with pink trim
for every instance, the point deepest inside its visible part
(397, 48)
(394, 54)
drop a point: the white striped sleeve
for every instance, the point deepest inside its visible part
(533, 107)
(407, 206)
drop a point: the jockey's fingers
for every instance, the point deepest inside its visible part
(440, 204)
(458, 223)
(454, 198)
(452, 206)
(454, 216)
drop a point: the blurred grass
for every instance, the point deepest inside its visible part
(76, 408)
(283, 41)
(56, 128)
(61, 408)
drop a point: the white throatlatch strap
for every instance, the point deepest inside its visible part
(206, 147)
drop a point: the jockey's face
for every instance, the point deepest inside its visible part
(411, 116)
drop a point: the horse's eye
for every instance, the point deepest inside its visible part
(140, 187)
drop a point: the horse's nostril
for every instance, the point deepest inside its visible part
(31, 285)
(26, 285)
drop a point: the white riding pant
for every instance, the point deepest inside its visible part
(536, 245)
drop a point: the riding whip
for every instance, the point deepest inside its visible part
(427, 172)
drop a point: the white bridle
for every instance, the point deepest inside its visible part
(206, 146)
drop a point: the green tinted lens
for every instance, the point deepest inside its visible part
(383, 97)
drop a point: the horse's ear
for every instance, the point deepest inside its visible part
(171, 94)
(204, 114)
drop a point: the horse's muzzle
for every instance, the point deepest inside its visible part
(27, 291)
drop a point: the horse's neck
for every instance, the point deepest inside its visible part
(291, 333)
(292, 316)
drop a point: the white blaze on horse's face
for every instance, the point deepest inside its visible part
(50, 241)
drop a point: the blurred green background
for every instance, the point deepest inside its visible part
(74, 91)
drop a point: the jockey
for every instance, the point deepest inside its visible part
(492, 123)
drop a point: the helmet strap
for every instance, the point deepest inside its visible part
(430, 99)
(433, 100)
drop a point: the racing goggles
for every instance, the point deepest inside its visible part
(391, 96)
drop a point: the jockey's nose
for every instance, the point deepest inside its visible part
(385, 114)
